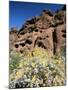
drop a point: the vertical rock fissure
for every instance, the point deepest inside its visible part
(54, 41)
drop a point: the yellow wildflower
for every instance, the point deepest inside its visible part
(25, 62)
(29, 54)
(33, 78)
(33, 64)
(18, 74)
(20, 64)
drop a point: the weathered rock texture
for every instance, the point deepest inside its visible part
(47, 31)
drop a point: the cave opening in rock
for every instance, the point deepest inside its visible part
(16, 45)
(28, 41)
(39, 38)
(40, 31)
(47, 36)
(36, 30)
(22, 44)
(40, 44)
(23, 33)
(63, 31)
(64, 35)
(21, 51)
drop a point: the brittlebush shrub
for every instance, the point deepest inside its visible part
(14, 61)
(38, 68)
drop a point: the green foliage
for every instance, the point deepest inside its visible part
(14, 61)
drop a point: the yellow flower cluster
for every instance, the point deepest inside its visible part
(38, 68)
(40, 52)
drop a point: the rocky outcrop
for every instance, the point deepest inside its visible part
(47, 31)
(13, 37)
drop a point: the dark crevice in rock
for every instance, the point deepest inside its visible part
(40, 31)
(16, 45)
(63, 31)
(21, 51)
(64, 35)
(47, 36)
(54, 41)
(36, 30)
(22, 44)
(40, 44)
(28, 42)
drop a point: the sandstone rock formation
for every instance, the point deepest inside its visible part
(12, 37)
(47, 31)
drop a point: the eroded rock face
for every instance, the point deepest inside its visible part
(12, 37)
(47, 31)
(41, 39)
(61, 37)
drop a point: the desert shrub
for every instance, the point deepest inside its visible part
(38, 69)
(14, 61)
(63, 50)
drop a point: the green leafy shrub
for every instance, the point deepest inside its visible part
(14, 61)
